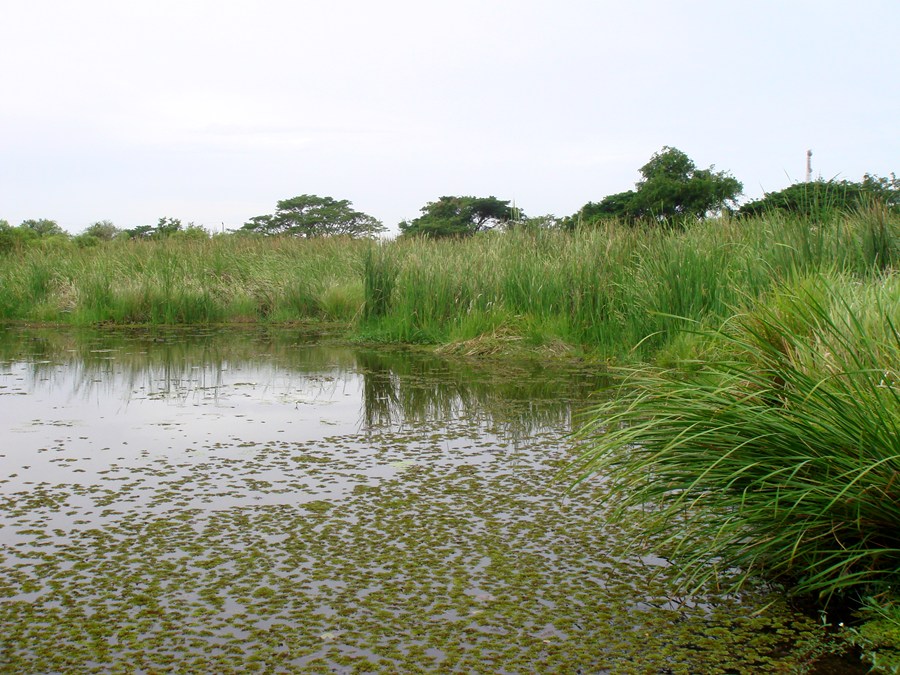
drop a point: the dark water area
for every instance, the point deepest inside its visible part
(241, 501)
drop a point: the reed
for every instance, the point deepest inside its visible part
(779, 453)
(223, 279)
(618, 292)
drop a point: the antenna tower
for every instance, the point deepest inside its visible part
(808, 165)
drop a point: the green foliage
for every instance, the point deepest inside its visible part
(884, 189)
(672, 190)
(823, 199)
(619, 292)
(461, 217)
(103, 230)
(779, 452)
(191, 231)
(313, 216)
(140, 232)
(85, 240)
(43, 227)
(878, 635)
(614, 207)
(616, 291)
(167, 226)
(42, 232)
(12, 237)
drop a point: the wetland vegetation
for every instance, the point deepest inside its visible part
(765, 399)
(613, 291)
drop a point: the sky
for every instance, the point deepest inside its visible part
(213, 111)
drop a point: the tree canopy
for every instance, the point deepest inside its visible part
(42, 227)
(103, 230)
(820, 199)
(671, 189)
(314, 216)
(460, 217)
(32, 230)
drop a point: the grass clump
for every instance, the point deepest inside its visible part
(780, 454)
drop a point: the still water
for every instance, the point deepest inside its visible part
(257, 501)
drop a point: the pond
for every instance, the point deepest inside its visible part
(261, 501)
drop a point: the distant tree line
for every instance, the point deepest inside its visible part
(671, 192)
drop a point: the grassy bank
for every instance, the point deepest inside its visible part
(617, 292)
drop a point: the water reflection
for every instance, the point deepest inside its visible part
(396, 387)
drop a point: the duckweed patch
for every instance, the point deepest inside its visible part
(432, 540)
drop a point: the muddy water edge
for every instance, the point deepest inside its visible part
(261, 501)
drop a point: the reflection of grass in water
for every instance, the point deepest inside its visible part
(518, 398)
(397, 386)
(465, 560)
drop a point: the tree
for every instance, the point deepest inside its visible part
(461, 217)
(140, 232)
(42, 227)
(618, 206)
(672, 189)
(166, 227)
(10, 237)
(104, 230)
(821, 199)
(313, 216)
(191, 231)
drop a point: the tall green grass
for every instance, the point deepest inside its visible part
(621, 292)
(223, 279)
(779, 452)
(616, 291)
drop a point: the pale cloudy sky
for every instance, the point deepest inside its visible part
(212, 111)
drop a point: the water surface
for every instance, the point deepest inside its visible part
(252, 501)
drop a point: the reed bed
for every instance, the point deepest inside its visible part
(617, 292)
(223, 279)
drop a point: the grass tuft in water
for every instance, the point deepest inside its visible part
(780, 454)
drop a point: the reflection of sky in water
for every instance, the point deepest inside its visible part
(65, 424)
(161, 412)
(285, 427)
(239, 394)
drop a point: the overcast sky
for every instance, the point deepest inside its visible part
(212, 111)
